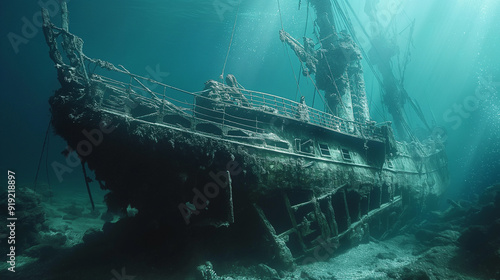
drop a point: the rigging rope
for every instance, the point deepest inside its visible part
(47, 167)
(314, 97)
(41, 154)
(300, 71)
(307, 19)
(298, 84)
(305, 33)
(87, 179)
(230, 43)
(408, 52)
(353, 34)
(297, 81)
(328, 109)
(279, 11)
(293, 71)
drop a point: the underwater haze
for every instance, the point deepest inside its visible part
(453, 74)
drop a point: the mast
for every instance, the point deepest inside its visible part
(324, 19)
(336, 65)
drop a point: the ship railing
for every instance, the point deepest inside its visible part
(186, 107)
(288, 108)
(187, 102)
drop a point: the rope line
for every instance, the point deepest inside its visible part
(301, 69)
(41, 154)
(297, 81)
(279, 11)
(87, 184)
(230, 43)
(316, 87)
(47, 167)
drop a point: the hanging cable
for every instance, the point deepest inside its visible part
(307, 19)
(408, 52)
(47, 167)
(293, 71)
(87, 179)
(298, 83)
(41, 154)
(314, 97)
(230, 43)
(279, 11)
(300, 71)
(288, 55)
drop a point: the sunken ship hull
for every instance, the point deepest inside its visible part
(238, 158)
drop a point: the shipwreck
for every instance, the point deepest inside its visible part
(229, 157)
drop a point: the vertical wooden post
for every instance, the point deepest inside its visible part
(230, 199)
(163, 101)
(348, 216)
(331, 213)
(294, 222)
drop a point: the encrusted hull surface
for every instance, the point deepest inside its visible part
(179, 175)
